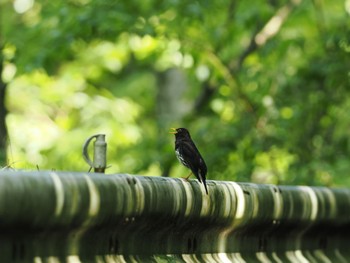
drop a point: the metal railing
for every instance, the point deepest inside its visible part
(82, 217)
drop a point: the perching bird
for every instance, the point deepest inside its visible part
(188, 154)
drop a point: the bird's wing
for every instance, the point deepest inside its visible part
(191, 158)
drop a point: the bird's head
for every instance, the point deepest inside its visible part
(180, 132)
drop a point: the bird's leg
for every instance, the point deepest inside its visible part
(186, 178)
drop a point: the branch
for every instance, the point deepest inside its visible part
(273, 26)
(258, 39)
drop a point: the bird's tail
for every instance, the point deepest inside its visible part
(205, 186)
(201, 179)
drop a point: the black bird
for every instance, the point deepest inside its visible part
(188, 154)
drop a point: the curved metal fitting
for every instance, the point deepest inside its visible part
(100, 153)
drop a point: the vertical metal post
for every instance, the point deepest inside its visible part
(100, 153)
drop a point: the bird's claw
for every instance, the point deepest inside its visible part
(187, 177)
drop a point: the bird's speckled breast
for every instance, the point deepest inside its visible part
(180, 158)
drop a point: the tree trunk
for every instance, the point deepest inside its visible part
(3, 113)
(171, 108)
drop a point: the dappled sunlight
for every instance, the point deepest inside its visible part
(262, 87)
(272, 166)
(143, 46)
(22, 6)
(46, 117)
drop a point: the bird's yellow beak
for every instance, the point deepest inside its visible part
(173, 131)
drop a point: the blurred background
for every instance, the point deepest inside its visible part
(263, 86)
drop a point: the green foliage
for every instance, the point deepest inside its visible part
(261, 108)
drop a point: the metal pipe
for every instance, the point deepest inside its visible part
(111, 218)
